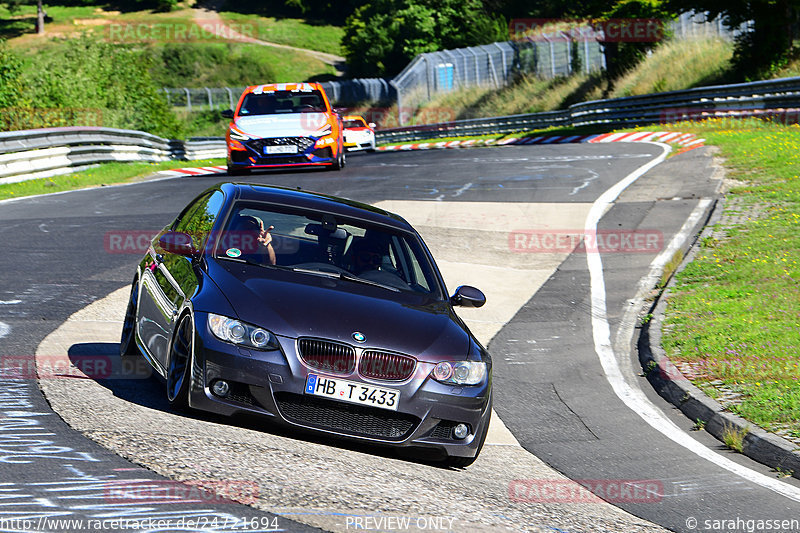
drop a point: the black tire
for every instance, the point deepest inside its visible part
(181, 358)
(236, 171)
(339, 162)
(127, 344)
(463, 462)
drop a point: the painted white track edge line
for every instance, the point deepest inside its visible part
(632, 397)
(59, 193)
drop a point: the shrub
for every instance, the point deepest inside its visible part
(83, 75)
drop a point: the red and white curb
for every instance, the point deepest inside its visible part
(686, 140)
(198, 171)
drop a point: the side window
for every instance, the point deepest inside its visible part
(199, 218)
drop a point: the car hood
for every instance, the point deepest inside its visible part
(290, 125)
(298, 305)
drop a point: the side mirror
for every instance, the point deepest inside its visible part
(177, 242)
(372, 125)
(228, 113)
(467, 296)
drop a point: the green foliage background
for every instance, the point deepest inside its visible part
(382, 37)
(89, 82)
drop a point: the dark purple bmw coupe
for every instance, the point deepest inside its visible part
(316, 312)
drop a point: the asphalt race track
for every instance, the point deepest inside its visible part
(485, 213)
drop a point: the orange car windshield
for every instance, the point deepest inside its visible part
(282, 102)
(355, 124)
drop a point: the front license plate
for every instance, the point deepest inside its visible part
(352, 392)
(281, 149)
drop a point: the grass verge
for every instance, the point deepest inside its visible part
(105, 174)
(674, 65)
(289, 31)
(733, 317)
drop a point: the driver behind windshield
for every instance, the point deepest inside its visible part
(366, 255)
(247, 234)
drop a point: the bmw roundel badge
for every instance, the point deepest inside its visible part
(359, 337)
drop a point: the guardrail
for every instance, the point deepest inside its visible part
(743, 99)
(31, 154)
(42, 153)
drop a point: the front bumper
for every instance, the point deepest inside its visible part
(271, 384)
(353, 142)
(254, 156)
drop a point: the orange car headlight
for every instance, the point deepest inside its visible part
(235, 145)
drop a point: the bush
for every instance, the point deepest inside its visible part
(85, 76)
(10, 78)
(210, 65)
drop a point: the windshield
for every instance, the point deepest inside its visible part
(355, 123)
(279, 102)
(312, 242)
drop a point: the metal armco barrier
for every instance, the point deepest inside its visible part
(31, 154)
(743, 99)
(42, 153)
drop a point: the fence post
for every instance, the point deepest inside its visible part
(585, 52)
(503, 59)
(230, 97)
(569, 52)
(493, 71)
(188, 99)
(210, 101)
(477, 66)
(399, 103)
(552, 55)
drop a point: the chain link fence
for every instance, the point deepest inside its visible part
(693, 25)
(495, 65)
(341, 93)
(547, 55)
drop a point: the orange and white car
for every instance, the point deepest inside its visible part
(284, 125)
(358, 135)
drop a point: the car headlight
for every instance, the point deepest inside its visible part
(327, 129)
(459, 372)
(236, 135)
(238, 332)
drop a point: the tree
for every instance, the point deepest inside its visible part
(41, 14)
(771, 34)
(382, 37)
(623, 55)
